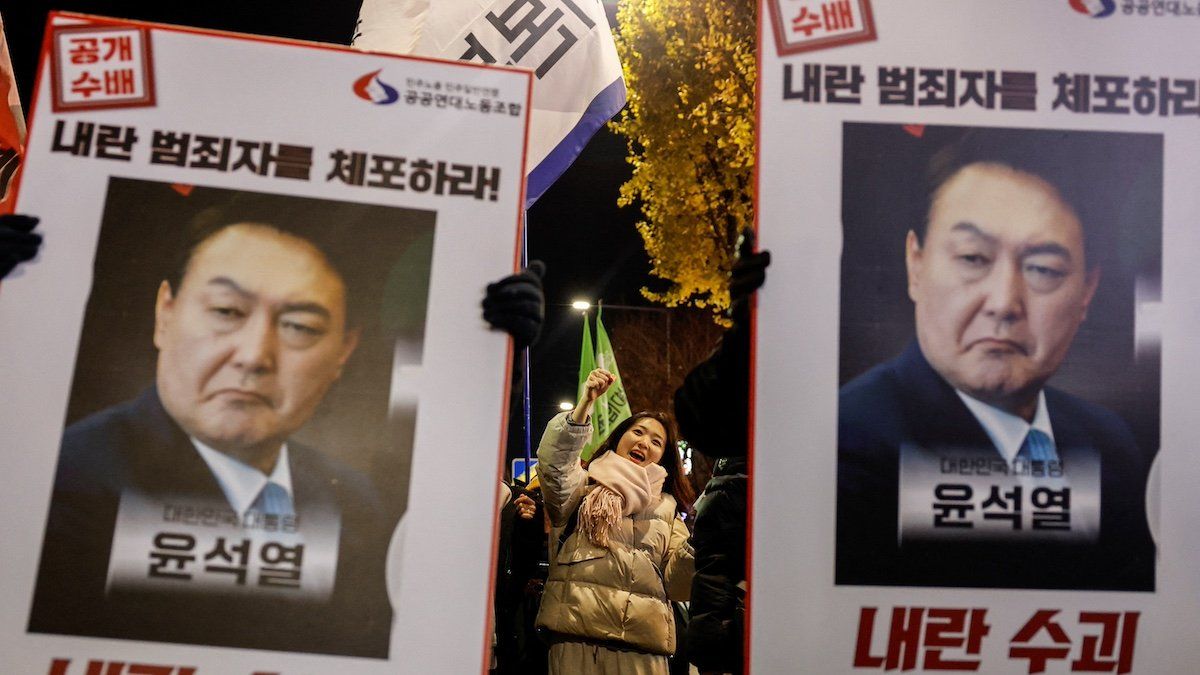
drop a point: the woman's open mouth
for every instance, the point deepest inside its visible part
(637, 456)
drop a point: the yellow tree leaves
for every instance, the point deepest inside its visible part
(690, 70)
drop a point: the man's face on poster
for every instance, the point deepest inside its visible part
(1000, 283)
(251, 340)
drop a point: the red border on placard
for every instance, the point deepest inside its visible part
(93, 21)
(747, 633)
(783, 49)
(58, 105)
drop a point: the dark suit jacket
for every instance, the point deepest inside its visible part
(136, 446)
(904, 401)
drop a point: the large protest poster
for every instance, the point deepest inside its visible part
(254, 415)
(975, 350)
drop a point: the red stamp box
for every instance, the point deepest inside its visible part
(805, 25)
(100, 66)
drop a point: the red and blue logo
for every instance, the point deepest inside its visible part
(1097, 9)
(370, 88)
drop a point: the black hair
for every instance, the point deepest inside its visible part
(1091, 172)
(677, 483)
(286, 215)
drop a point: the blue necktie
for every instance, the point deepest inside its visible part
(273, 501)
(1038, 447)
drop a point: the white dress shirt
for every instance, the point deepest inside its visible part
(1006, 430)
(240, 482)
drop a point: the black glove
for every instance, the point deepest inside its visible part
(749, 272)
(517, 305)
(18, 243)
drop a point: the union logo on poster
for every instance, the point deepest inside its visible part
(98, 66)
(805, 25)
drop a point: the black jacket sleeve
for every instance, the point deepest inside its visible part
(714, 634)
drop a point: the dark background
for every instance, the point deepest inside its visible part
(883, 169)
(590, 245)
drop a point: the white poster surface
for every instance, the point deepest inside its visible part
(981, 219)
(250, 386)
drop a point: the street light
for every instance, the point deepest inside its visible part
(581, 305)
(565, 405)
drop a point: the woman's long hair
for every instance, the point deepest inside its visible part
(677, 483)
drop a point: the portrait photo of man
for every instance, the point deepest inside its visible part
(998, 411)
(219, 499)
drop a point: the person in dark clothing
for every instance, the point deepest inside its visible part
(714, 636)
(520, 574)
(711, 407)
(516, 304)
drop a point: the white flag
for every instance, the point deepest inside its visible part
(568, 44)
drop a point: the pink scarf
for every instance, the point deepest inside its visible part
(624, 488)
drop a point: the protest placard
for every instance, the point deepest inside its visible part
(981, 276)
(250, 385)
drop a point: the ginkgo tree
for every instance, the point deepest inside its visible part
(690, 70)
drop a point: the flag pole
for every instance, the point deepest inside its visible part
(525, 394)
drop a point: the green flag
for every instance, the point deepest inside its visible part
(613, 406)
(587, 363)
(587, 358)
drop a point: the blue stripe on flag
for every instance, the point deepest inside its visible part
(602, 108)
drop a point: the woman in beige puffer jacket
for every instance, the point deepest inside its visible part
(618, 557)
